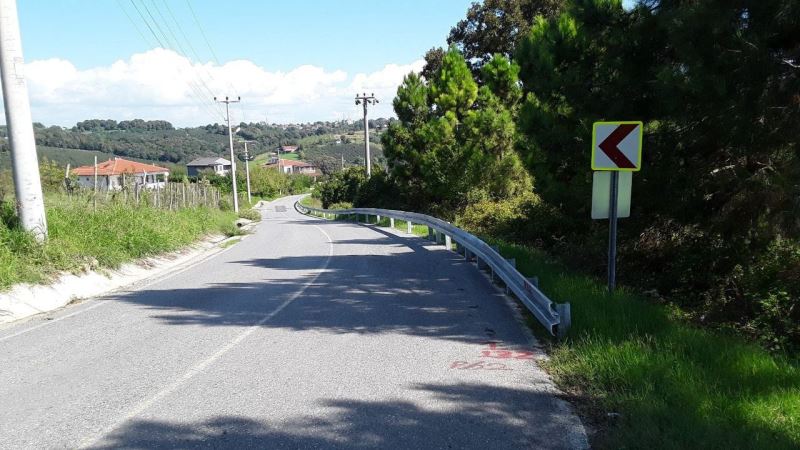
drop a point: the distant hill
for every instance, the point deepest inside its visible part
(329, 149)
(159, 141)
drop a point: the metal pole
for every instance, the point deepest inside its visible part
(612, 233)
(25, 164)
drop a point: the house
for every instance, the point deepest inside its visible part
(116, 173)
(295, 167)
(219, 166)
(288, 149)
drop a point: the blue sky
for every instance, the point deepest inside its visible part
(355, 36)
(289, 60)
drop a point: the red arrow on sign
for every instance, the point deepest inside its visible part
(609, 146)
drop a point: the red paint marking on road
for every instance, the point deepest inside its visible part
(479, 365)
(609, 146)
(493, 351)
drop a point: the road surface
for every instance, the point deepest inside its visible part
(307, 334)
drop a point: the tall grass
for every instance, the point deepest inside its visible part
(115, 233)
(651, 380)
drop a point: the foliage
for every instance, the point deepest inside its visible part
(158, 140)
(452, 135)
(250, 214)
(716, 84)
(494, 27)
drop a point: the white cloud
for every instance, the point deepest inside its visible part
(161, 84)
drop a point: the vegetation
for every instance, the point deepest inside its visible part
(496, 135)
(81, 238)
(721, 119)
(158, 140)
(655, 381)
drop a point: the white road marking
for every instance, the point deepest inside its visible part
(202, 365)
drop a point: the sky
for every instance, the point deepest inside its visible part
(289, 61)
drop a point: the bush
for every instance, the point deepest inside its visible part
(341, 205)
(250, 214)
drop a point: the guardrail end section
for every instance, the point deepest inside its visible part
(565, 319)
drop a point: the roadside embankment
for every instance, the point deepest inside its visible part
(92, 251)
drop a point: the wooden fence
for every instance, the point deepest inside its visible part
(170, 196)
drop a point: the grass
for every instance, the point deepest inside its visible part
(81, 238)
(648, 379)
(310, 201)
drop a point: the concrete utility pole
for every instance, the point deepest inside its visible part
(230, 139)
(247, 169)
(366, 101)
(25, 164)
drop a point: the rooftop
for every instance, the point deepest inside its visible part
(118, 166)
(209, 161)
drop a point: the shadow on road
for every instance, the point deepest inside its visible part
(412, 290)
(487, 416)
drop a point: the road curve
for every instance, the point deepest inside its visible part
(307, 334)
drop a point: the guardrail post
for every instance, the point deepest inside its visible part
(391, 222)
(564, 319)
(513, 263)
(448, 242)
(377, 220)
(534, 281)
(467, 254)
(409, 227)
(430, 234)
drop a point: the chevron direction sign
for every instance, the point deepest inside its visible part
(617, 146)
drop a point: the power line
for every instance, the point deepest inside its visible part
(211, 49)
(196, 91)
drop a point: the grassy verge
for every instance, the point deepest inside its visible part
(81, 238)
(647, 379)
(310, 201)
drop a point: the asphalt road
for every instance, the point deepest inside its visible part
(307, 334)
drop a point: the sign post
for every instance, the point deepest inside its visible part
(612, 233)
(616, 147)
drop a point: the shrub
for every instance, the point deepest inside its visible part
(250, 214)
(341, 205)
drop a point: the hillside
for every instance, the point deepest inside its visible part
(159, 141)
(325, 152)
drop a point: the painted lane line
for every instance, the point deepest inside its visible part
(202, 365)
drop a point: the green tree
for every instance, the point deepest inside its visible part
(496, 26)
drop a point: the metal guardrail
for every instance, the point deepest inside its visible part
(554, 316)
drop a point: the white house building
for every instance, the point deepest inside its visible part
(116, 173)
(219, 166)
